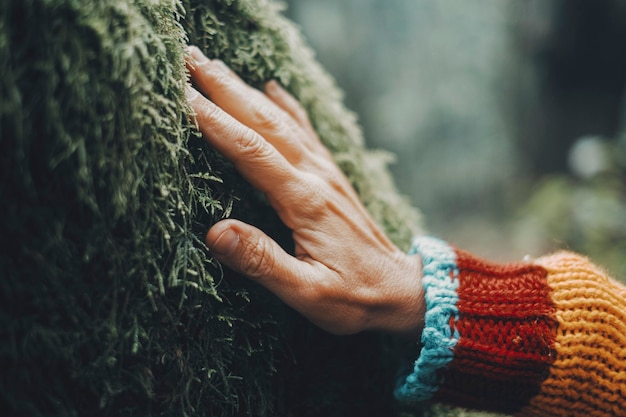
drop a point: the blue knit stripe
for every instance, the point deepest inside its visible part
(440, 281)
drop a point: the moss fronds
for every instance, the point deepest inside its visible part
(110, 303)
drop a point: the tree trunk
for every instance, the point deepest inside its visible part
(110, 303)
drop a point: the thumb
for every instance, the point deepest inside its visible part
(248, 250)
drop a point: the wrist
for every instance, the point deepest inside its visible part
(401, 308)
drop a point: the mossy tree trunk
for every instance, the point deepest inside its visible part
(110, 303)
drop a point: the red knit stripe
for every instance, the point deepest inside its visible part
(507, 330)
(531, 340)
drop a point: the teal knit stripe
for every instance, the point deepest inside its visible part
(439, 278)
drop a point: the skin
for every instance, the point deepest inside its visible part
(345, 275)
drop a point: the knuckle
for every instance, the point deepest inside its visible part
(251, 145)
(317, 199)
(258, 262)
(266, 118)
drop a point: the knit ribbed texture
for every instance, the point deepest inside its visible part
(507, 327)
(439, 337)
(542, 339)
(588, 377)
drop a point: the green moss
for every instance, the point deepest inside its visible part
(110, 303)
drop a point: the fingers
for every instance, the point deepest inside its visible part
(288, 103)
(292, 107)
(258, 161)
(251, 252)
(246, 104)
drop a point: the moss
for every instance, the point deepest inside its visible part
(110, 303)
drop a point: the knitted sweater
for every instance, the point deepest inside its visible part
(541, 338)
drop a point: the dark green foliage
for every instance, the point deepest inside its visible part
(109, 302)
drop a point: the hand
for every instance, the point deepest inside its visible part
(346, 275)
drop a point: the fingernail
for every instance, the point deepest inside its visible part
(225, 243)
(197, 55)
(190, 92)
(271, 86)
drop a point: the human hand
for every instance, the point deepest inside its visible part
(345, 276)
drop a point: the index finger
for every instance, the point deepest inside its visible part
(255, 158)
(246, 104)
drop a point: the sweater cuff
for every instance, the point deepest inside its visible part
(439, 337)
(488, 340)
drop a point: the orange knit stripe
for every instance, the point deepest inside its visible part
(588, 376)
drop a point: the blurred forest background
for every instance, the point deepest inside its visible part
(507, 118)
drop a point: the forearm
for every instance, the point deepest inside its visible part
(546, 337)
